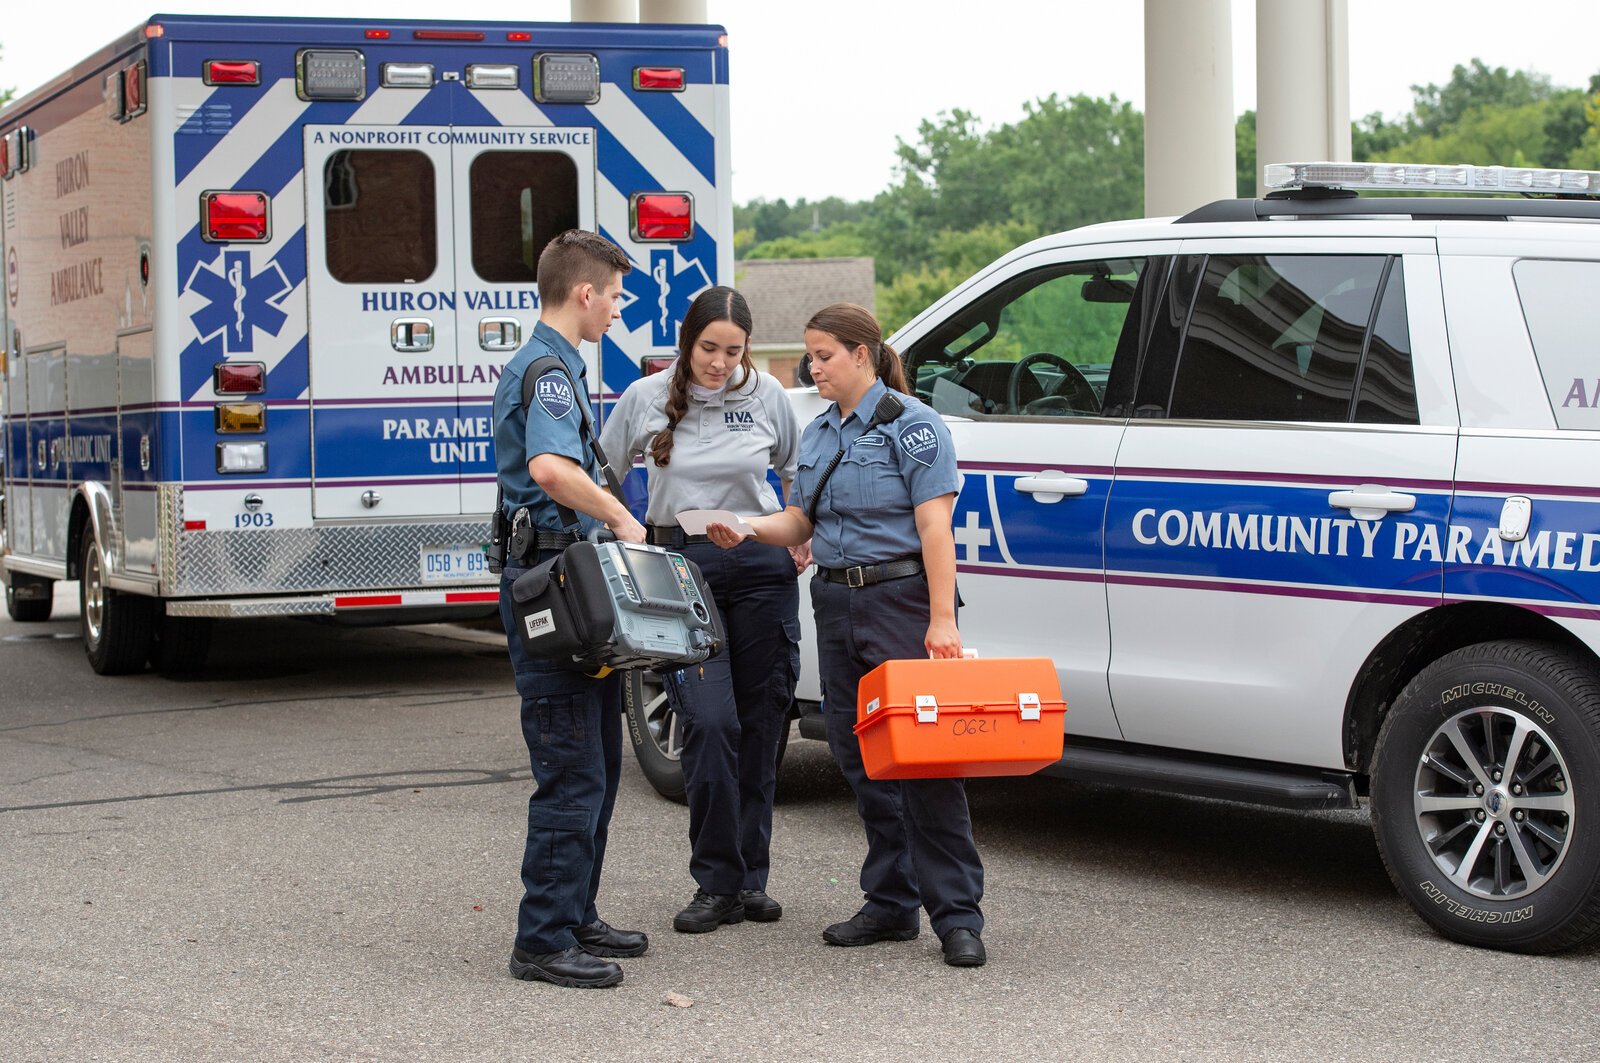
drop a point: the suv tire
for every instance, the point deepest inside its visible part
(116, 627)
(1486, 796)
(657, 741)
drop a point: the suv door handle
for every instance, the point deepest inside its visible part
(1372, 501)
(1051, 486)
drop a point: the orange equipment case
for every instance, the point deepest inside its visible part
(959, 718)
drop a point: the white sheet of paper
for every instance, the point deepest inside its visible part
(694, 521)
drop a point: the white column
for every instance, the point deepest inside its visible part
(1188, 105)
(1302, 82)
(605, 10)
(691, 12)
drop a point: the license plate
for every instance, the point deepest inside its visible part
(453, 562)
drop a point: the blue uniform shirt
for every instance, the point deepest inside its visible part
(866, 514)
(552, 424)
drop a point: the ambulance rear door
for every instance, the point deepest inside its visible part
(515, 189)
(422, 248)
(382, 298)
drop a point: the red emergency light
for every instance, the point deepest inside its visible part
(662, 215)
(519, 35)
(239, 217)
(231, 72)
(448, 35)
(658, 78)
(239, 378)
(377, 35)
(651, 364)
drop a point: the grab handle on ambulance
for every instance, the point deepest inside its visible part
(411, 335)
(1051, 486)
(1372, 501)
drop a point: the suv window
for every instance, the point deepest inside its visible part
(1038, 346)
(1563, 319)
(379, 214)
(1295, 338)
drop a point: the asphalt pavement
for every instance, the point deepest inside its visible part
(309, 851)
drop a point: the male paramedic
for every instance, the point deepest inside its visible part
(571, 722)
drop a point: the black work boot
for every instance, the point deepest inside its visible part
(571, 967)
(600, 938)
(759, 908)
(707, 912)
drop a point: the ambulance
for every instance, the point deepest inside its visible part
(262, 275)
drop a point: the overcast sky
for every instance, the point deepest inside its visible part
(819, 97)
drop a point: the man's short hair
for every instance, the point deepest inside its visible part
(576, 257)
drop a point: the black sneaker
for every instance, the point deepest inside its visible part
(707, 912)
(600, 938)
(759, 908)
(571, 967)
(862, 929)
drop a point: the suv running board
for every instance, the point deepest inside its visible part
(1148, 768)
(1152, 768)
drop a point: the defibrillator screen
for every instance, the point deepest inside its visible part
(654, 579)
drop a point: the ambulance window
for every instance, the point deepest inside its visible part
(380, 217)
(1038, 346)
(1276, 337)
(520, 201)
(1563, 319)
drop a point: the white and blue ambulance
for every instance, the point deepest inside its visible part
(261, 278)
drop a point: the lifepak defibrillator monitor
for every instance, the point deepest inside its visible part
(660, 612)
(618, 605)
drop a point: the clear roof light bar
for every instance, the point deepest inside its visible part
(1427, 177)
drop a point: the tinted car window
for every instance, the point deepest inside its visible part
(1276, 337)
(1040, 345)
(1388, 391)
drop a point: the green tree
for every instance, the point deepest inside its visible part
(1244, 155)
(1476, 85)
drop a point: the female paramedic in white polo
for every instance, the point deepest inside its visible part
(885, 589)
(709, 428)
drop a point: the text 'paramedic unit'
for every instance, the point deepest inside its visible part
(261, 279)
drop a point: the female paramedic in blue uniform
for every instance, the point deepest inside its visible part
(709, 428)
(885, 589)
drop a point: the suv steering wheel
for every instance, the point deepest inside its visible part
(1073, 387)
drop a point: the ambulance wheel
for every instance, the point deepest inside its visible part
(1486, 796)
(35, 601)
(180, 644)
(653, 730)
(115, 626)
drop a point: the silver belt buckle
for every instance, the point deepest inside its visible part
(855, 577)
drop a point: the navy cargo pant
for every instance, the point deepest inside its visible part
(733, 710)
(573, 727)
(920, 850)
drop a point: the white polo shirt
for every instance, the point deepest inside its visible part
(721, 448)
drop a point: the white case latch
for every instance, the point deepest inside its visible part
(1028, 705)
(927, 708)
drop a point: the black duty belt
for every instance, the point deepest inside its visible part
(671, 535)
(864, 575)
(544, 539)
